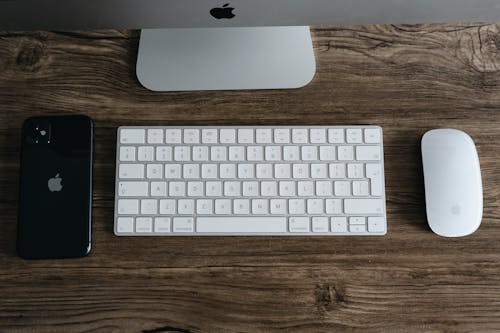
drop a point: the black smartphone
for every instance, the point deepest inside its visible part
(55, 200)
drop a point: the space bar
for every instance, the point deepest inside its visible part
(241, 225)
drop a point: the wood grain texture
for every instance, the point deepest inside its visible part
(408, 79)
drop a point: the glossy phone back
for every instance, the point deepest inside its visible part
(55, 187)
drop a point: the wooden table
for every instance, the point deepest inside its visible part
(408, 79)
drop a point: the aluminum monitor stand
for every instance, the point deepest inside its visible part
(188, 59)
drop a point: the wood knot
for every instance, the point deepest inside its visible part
(328, 295)
(29, 58)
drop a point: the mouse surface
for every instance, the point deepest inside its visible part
(453, 186)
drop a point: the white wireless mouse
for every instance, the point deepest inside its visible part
(453, 186)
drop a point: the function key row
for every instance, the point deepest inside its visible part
(250, 135)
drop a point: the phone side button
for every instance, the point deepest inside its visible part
(125, 225)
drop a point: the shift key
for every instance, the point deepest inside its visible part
(364, 206)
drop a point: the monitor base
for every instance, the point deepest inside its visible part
(225, 58)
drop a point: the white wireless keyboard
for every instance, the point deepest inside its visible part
(315, 180)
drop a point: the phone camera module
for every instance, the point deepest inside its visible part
(40, 133)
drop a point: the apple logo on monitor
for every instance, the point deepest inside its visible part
(224, 12)
(54, 184)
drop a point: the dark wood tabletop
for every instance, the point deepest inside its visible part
(406, 78)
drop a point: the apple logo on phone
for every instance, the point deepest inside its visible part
(224, 12)
(54, 184)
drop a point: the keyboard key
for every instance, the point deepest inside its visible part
(336, 135)
(338, 224)
(149, 206)
(162, 225)
(333, 206)
(250, 189)
(327, 153)
(145, 154)
(127, 154)
(130, 136)
(337, 170)
(320, 224)
(241, 206)
(172, 171)
(232, 189)
(185, 207)
(154, 171)
(209, 171)
(319, 171)
(260, 206)
(264, 170)
(223, 206)
(245, 136)
(363, 206)
(282, 171)
(298, 224)
(368, 153)
(155, 136)
(291, 153)
(255, 153)
(358, 228)
(264, 225)
(305, 189)
(177, 189)
(164, 154)
(318, 135)
(200, 154)
(158, 189)
(182, 153)
(342, 188)
(310, 153)
(191, 171)
(131, 171)
(301, 171)
(296, 206)
(314, 206)
(282, 135)
(128, 207)
(210, 135)
(144, 225)
(218, 153)
(376, 224)
(374, 172)
(360, 188)
(372, 135)
(227, 135)
(263, 135)
(204, 207)
(227, 171)
(133, 189)
(269, 189)
(354, 135)
(213, 189)
(345, 153)
(300, 135)
(287, 189)
(324, 188)
(173, 136)
(273, 153)
(125, 225)
(183, 224)
(245, 171)
(191, 135)
(236, 153)
(278, 206)
(355, 170)
(168, 207)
